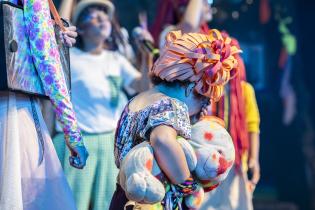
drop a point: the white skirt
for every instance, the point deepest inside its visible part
(232, 194)
(30, 178)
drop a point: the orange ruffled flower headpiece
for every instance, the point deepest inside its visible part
(206, 59)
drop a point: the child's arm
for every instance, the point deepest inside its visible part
(169, 154)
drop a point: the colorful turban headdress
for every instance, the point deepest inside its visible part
(206, 59)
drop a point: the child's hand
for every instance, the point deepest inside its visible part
(143, 40)
(206, 111)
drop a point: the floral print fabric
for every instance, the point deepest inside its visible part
(46, 58)
(134, 127)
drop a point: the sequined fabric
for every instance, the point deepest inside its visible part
(21, 73)
(134, 127)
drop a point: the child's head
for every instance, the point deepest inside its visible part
(204, 61)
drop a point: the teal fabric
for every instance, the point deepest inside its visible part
(93, 186)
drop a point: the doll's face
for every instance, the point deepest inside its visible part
(214, 150)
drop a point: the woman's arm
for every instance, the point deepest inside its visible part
(66, 8)
(253, 123)
(144, 64)
(135, 81)
(46, 58)
(143, 83)
(169, 154)
(191, 20)
(253, 162)
(65, 12)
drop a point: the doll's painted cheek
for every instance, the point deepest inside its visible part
(208, 136)
(149, 164)
(223, 165)
(214, 156)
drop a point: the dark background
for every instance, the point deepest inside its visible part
(287, 157)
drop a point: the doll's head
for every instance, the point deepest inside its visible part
(214, 150)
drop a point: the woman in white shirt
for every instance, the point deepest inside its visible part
(98, 77)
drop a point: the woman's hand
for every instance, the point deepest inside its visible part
(253, 161)
(69, 36)
(143, 35)
(254, 167)
(78, 157)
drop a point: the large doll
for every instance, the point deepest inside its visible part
(25, 181)
(209, 155)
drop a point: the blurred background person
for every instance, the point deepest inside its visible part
(194, 16)
(99, 73)
(184, 15)
(238, 108)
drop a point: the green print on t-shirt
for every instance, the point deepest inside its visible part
(115, 83)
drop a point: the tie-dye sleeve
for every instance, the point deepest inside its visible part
(47, 61)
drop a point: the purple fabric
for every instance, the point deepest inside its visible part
(134, 127)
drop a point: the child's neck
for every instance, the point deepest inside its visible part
(173, 92)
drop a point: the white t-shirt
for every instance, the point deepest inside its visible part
(96, 91)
